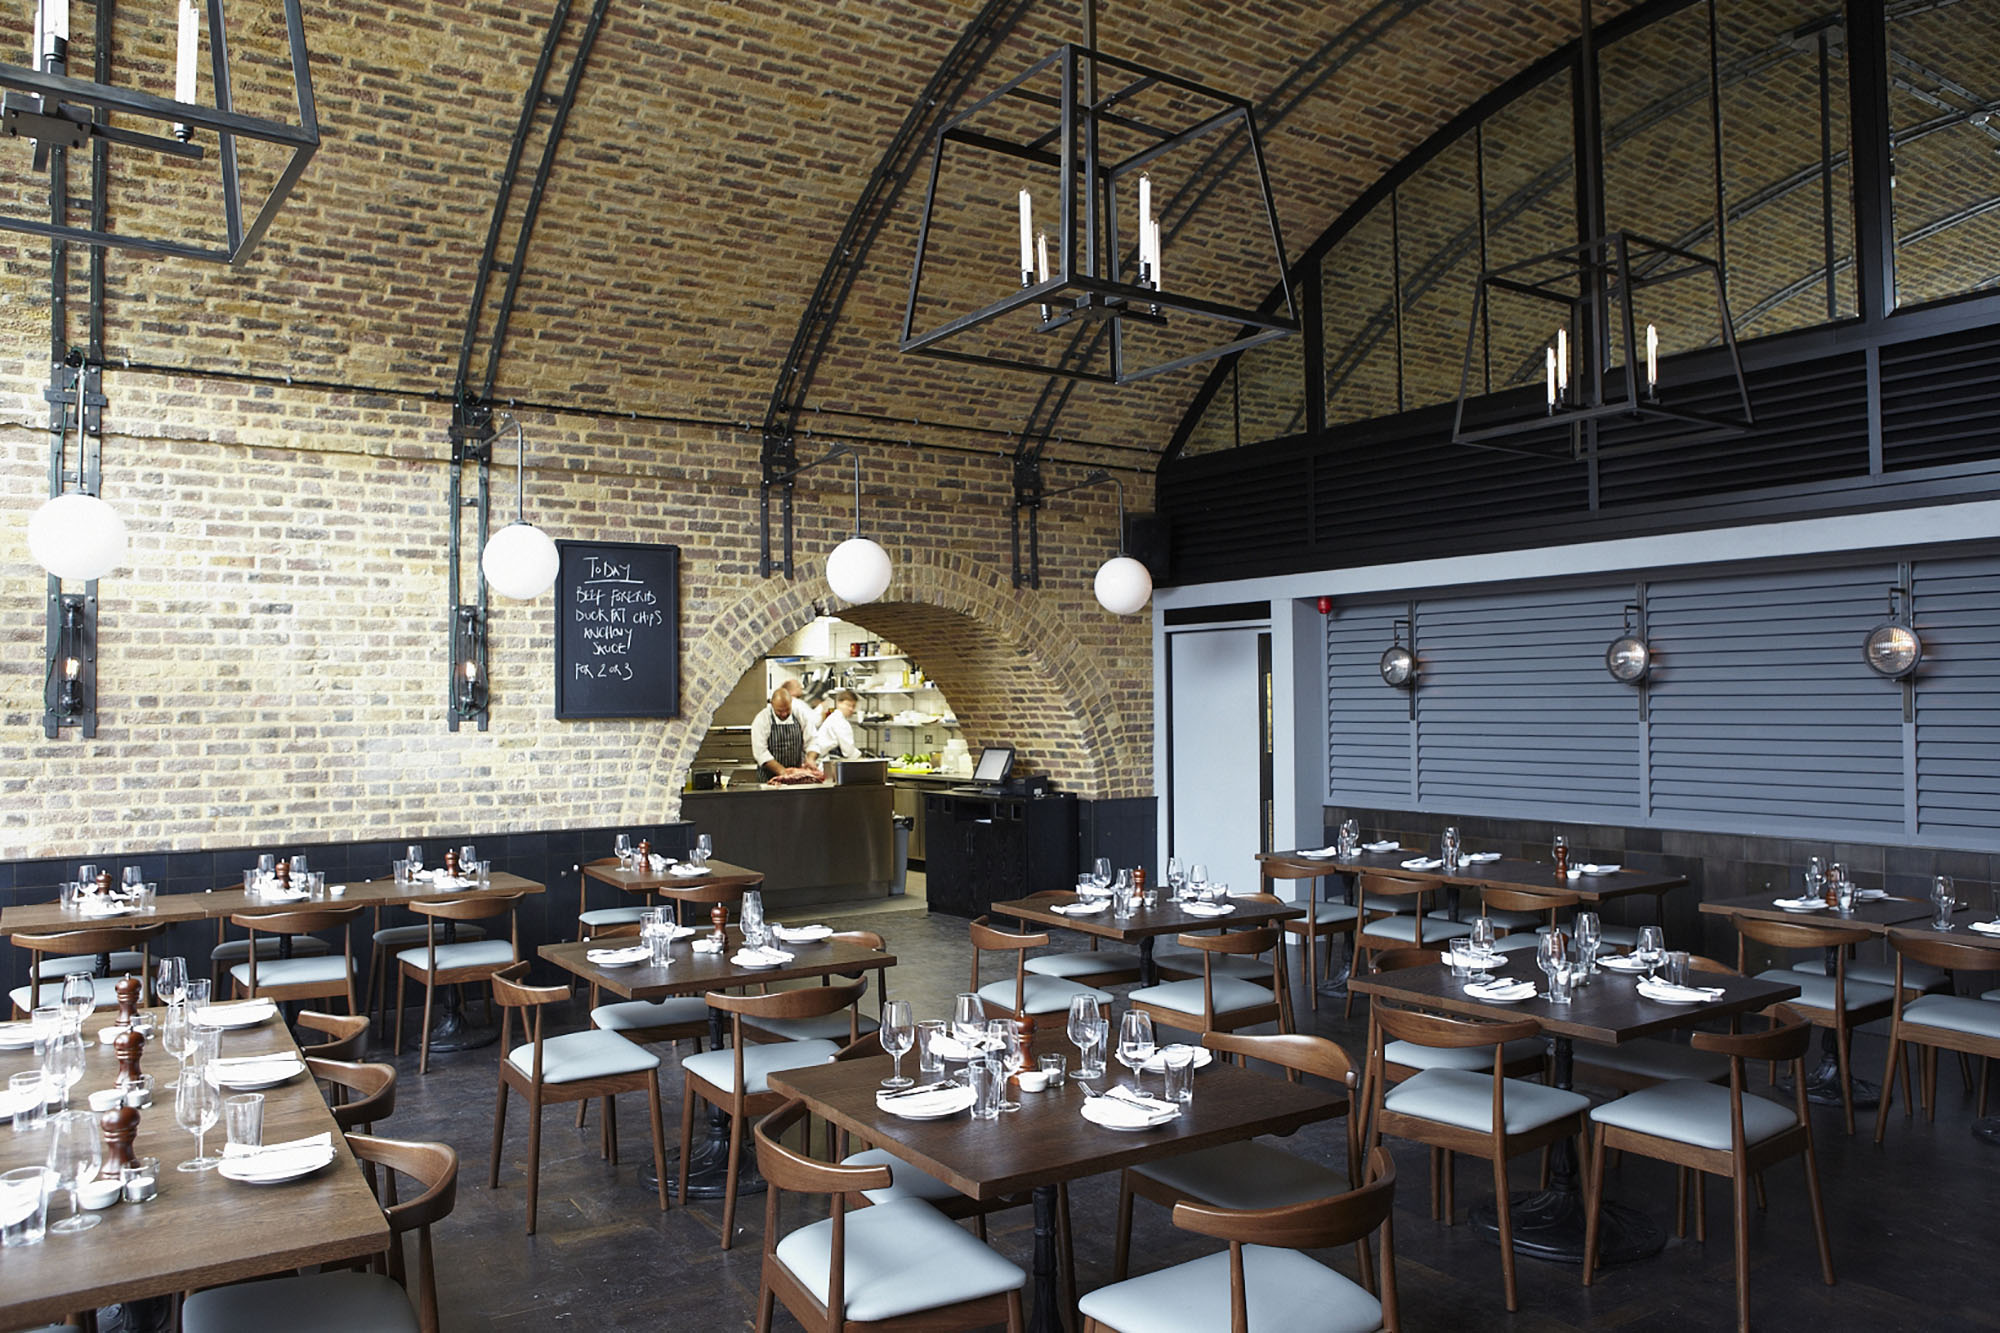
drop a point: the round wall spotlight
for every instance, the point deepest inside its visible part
(1628, 659)
(1892, 649)
(1399, 667)
(1123, 585)
(77, 536)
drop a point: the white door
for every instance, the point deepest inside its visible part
(1219, 757)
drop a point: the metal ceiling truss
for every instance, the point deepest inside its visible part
(544, 116)
(905, 154)
(75, 395)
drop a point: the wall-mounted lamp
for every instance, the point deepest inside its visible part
(858, 570)
(1629, 658)
(74, 662)
(1123, 584)
(75, 536)
(520, 560)
(468, 680)
(1399, 664)
(1892, 648)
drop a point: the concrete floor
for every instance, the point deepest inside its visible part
(1914, 1223)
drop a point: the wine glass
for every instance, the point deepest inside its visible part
(1176, 874)
(75, 1157)
(1549, 956)
(415, 852)
(622, 845)
(79, 997)
(174, 1039)
(197, 1106)
(62, 1063)
(170, 980)
(1589, 930)
(1135, 1043)
(1100, 872)
(1198, 880)
(1482, 944)
(134, 877)
(1083, 1020)
(1003, 1042)
(968, 1020)
(1815, 876)
(1450, 848)
(1350, 829)
(899, 1033)
(704, 847)
(1944, 899)
(1652, 947)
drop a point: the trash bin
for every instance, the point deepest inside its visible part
(899, 877)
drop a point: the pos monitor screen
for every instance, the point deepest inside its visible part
(995, 763)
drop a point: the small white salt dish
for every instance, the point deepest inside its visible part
(1032, 1080)
(99, 1194)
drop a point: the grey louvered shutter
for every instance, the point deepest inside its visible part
(1367, 722)
(1958, 701)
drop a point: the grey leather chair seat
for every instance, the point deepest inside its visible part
(902, 1257)
(1186, 996)
(1955, 1013)
(1041, 995)
(1651, 1057)
(314, 1303)
(1478, 1059)
(461, 953)
(293, 971)
(1460, 1097)
(576, 1056)
(718, 1068)
(1817, 992)
(1694, 1113)
(1285, 1292)
(634, 1015)
(905, 1182)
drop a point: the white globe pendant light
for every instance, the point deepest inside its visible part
(77, 536)
(858, 571)
(1124, 586)
(520, 560)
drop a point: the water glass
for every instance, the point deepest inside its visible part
(402, 871)
(968, 1019)
(71, 894)
(1461, 958)
(24, 1206)
(1561, 977)
(750, 915)
(1179, 1062)
(243, 1119)
(44, 1022)
(1843, 897)
(1003, 1042)
(29, 1094)
(984, 1078)
(929, 1062)
(483, 872)
(1121, 901)
(1677, 967)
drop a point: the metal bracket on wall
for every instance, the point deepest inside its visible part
(1030, 494)
(779, 463)
(471, 446)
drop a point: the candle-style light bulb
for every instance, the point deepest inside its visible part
(72, 668)
(184, 63)
(1027, 239)
(1041, 256)
(1145, 227)
(1552, 376)
(51, 28)
(1153, 246)
(1562, 359)
(1652, 358)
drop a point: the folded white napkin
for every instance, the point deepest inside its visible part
(1481, 857)
(94, 905)
(615, 957)
(240, 1011)
(1623, 963)
(1093, 891)
(1500, 990)
(660, 863)
(1158, 1064)
(707, 945)
(801, 934)
(248, 1161)
(313, 1143)
(937, 1099)
(1478, 959)
(1120, 1108)
(1985, 927)
(680, 932)
(1592, 868)
(1208, 909)
(1082, 909)
(1422, 863)
(686, 871)
(951, 1048)
(1870, 895)
(1799, 904)
(761, 956)
(1655, 989)
(1386, 845)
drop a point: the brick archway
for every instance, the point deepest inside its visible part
(1013, 670)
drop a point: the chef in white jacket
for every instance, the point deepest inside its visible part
(835, 737)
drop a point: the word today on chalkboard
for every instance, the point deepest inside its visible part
(618, 630)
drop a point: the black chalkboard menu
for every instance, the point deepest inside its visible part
(618, 630)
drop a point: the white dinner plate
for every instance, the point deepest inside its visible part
(1624, 963)
(681, 870)
(257, 1074)
(935, 1106)
(616, 958)
(1799, 904)
(245, 1170)
(1092, 1110)
(12, 1104)
(1497, 999)
(1203, 1058)
(1658, 998)
(245, 1014)
(803, 934)
(16, 1036)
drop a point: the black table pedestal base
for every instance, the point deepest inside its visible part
(1823, 1087)
(708, 1167)
(1549, 1224)
(1987, 1131)
(452, 1033)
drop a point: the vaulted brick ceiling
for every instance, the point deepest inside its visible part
(714, 154)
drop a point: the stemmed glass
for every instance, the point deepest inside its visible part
(899, 1033)
(170, 981)
(79, 997)
(1135, 1043)
(62, 1062)
(1550, 954)
(135, 878)
(968, 1020)
(1451, 847)
(1100, 872)
(1084, 1019)
(1003, 1044)
(1815, 877)
(174, 1039)
(415, 852)
(197, 1106)
(1589, 938)
(1482, 943)
(704, 847)
(75, 1156)
(1652, 947)
(622, 845)
(1944, 899)
(1176, 875)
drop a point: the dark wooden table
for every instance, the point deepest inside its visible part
(1146, 924)
(216, 904)
(1987, 1128)
(1548, 1224)
(1875, 915)
(202, 1230)
(692, 973)
(650, 884)
(1048, 1141)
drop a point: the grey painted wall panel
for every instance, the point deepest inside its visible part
(1958, 699)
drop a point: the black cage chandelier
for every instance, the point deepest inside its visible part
(1092, 266)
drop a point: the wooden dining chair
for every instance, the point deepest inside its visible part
(347, 1034)
(227, 953)
(62, 953)
(1176, 963)
(1221, 1003)
(574, 1066)
(836, 1026)
(593, 922)
(1027, 997)
(437, 963)
(1091, 965)
(1834, 1002)
(1479, 1115)
(1323, 921)
(367, 1092)
(328, 976)
(1718, 1131)
(1385, 925)
(1935, 1022)
(385, 942)
(1632, 1065)
(895, 1266)
(344, 1300)
(1263, 1281)
(1524, 914)
(736, 1079)
(1249, 1174)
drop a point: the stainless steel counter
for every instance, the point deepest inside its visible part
(813, 843)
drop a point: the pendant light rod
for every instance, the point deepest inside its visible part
(847, 451)
(520, 467)
(1098, 478)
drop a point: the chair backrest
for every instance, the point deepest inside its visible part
(1784, 1042)
(511, 992)
(295, 921)
(1253, 941)
(1377, 884)
(95, 940)
(1321, 1057)
(349, 1033)
(1938, 950)
(805, 1002)
(986, 938)
(1289, 870)
(1394, 960)
(1797, 934)
(469, 909)
(861, 1048)
(434, 1166)
(1528, 900)
(1442, 1030)
(1316, 1224)
(374, 1086)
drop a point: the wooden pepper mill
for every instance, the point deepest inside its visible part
(104, 881)
(451, 862)
(1562, 865)
(128, 989)
(720, 916)
(645, 854)
(117, 1127)
(1139, 884)
(283, 870)
(129, 1046)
